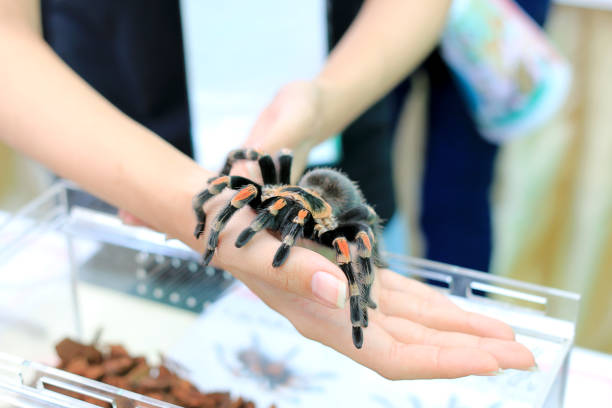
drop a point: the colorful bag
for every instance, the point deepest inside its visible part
(512, 77)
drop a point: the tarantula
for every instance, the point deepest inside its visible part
(325, 206)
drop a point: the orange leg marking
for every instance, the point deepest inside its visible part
(344, 256)
(220, 180)
(365, 239)
(244, 194)
(301, 216)
(278, 204)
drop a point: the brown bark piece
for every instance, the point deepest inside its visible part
(95, 372)
(117, 381)
(77, 365)
(117, 368)
(138, 372)
(92, 354)
(117, 350)
(155, 384)
(68, 350)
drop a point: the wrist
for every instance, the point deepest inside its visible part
(338, 105)
(326, 107)
(182, 223)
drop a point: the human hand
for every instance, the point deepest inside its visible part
(415, 332)
(292, 120)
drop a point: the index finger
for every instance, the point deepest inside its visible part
(396, 360)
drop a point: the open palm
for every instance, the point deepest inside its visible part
(416, 332)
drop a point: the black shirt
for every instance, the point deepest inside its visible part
(129, 51)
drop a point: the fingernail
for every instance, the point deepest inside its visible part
(534, 369)
(329, 290)
(492, 373)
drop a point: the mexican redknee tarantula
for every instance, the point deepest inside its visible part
(325, 206)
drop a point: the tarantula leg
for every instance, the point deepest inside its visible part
(242, 197)
(266, 164)
(343, 259)
(267, 168)
(234, 156)
(289, 235)
(284, 166)
(216, 185)
(260, 222)
(364, 250)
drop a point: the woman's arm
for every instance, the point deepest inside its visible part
(387, 41)
(48, 112)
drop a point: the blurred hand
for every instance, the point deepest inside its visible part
(416, 332)
(292, 120)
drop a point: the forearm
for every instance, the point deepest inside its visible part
(387, 40)
(49, 113)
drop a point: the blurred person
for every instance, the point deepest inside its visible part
(107, 141)
(458, 169)
(458, 166)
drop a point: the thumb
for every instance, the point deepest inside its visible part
(288, 121)
(271, 132)
(304, 273)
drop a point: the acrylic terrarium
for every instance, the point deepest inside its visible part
(69, 267)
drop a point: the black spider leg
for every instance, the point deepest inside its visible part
(215, 186)
(242, 197)
(364, 239)
(285, 158)
(266, 164)
(363, 215)
(359, 234)
(363, 219)
(343, 259)
(265, 217)
(289, 234)
(238, 154)
(268, 170)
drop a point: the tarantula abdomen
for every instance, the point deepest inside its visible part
(324, 206)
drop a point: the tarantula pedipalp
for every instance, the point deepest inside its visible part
(325, 206)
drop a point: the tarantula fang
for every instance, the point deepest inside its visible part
(324, 206)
